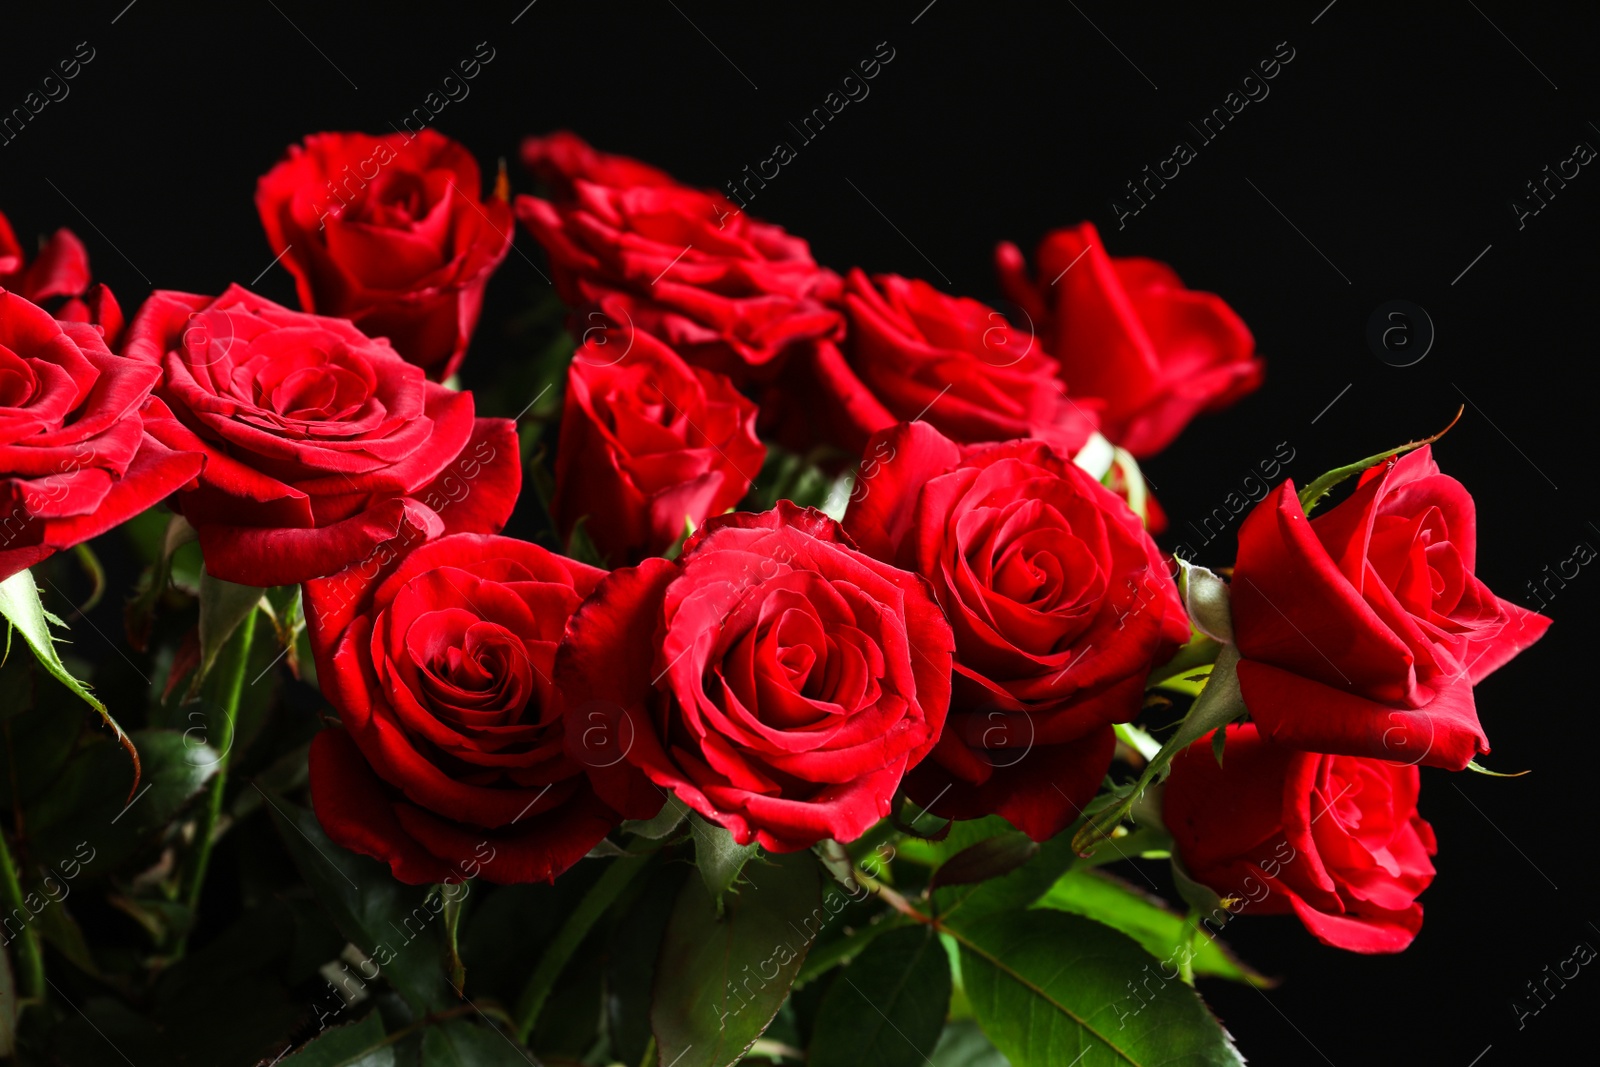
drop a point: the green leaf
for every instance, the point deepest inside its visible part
(1478, 768)
(1217, 705)
(159, 544)
(888, 1007)
(630, 962)
(828, 955)
(1148, 920)
(510, 927)
(1012, 892)
(720, 980)
(559, 952)
(1312, 494)
(1051, 988)
(86, 818)
(62, 932)
(84, 553)
(19, 603)
(1194, 658)
(962, 834)
(454, 896)
(719, 857)
(43, 721)
(665, 822)
(223, 606)
(358, 1044)
(963, 1044)
(460, 1043)
(837, 862)
(991, 858)
(1138, 739)
(8, 1007)
(787, 475)
(581, 547)
(398, 926)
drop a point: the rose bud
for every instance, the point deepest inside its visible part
(648, 443)
(390, 232)
(1130, 339)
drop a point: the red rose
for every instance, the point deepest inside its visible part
(726, 290)
(1060, 604)
(561, 159)
(1363, 631)
(318, 439)
(59, 279)
(1130, 336)
(791, 680)
(451, 761)
(75, 459)
(391, 233)
(913, 352)
(648, 442)
(1337, 839)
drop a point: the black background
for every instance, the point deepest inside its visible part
(1390, 148)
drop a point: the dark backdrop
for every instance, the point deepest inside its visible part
(1382, 165)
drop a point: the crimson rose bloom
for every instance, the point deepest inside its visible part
(59, 279)
(647, 442)
(726, 290)
(1060, 604)
(561, 159)
(389, 232)
(914, 352)
(1335, 838)
(1130, 336)
(1363, 631)
(451, 761)
(75, 459)
(790, 684)
(318, 439)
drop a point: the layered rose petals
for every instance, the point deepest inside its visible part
(452, 760)
(727, 291)
(1059, 601)
(648, 444)
(1335, 839)
(389, 232)
(59, 280)
(794, 680)
(75, 459)
(913, 352)
(319, 441)
(1363, 631)
(1130, 339)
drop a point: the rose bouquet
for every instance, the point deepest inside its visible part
(766, 663)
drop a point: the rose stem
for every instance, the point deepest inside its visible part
(571, 935)
(228, 677)
(29, 958)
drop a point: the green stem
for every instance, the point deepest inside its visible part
(30, 958)
(571, 935)
(1218, 704)
(224, 686)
